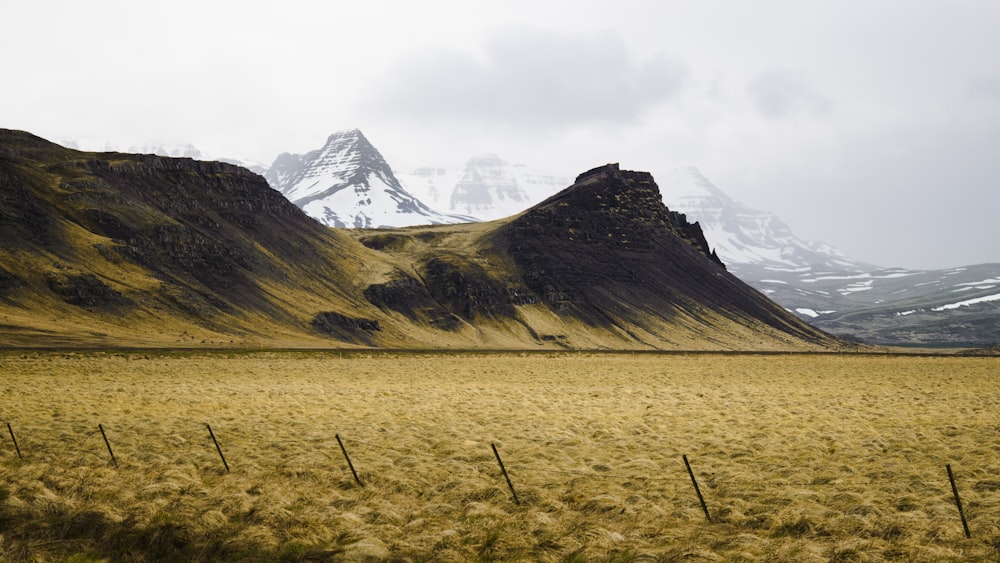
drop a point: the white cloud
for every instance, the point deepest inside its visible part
(784, 93)
(530, 78)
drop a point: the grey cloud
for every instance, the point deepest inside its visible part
(984, 88)
(531, 77)
(919, 196)
(785, 93)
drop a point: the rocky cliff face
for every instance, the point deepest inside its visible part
(610, 234)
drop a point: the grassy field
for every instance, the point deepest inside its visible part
(799, 457)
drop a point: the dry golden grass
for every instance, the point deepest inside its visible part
(800, 458)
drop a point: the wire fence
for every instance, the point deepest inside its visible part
(199, 441)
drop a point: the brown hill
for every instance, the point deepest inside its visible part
(987, 351)
(137, 250)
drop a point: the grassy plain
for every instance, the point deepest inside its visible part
(799, 457)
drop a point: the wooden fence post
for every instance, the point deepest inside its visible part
(217, 448)
(503, 470)
(343, 450)
(958, 501)
(108, 444)
(13, 439)
(697, 490)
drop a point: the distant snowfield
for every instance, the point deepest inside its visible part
(811, 312)
(990, 283)
(956, 305)
(984, 299)
(865, 275)
(855, 287)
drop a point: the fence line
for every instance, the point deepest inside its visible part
(518, 468)
(480, 456)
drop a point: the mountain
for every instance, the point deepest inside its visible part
(988, 351)
(486, 188)
(753, 244)
(137, 250)
(957, 307)
(891, 306)
(347, 183)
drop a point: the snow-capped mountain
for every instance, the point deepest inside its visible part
(347, 183)
(959, 306)
(487, 188)
(753, 244)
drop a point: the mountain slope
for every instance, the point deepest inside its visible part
(142, 249)
(136, 250)
(347, 183)
(602, 260)
(957, 307)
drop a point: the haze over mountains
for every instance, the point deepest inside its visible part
(347, 182)
(884, 305)
(956, 307)
(119, 249)
(486, 188)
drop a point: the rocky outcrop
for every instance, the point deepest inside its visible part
(85, 290)
(348, 329)
(411, 298)
(610, 235)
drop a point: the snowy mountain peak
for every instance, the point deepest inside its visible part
(348, 183)
(686, 189)
(746, 239)
(347, 157)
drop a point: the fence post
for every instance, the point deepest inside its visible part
(503, 470)
(958, 501)
(108, 444)
(13, 439)
(697, 490)
(343, 450)
(217, 448)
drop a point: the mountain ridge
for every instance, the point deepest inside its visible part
(138, 250)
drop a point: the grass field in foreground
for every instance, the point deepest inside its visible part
(800, 458)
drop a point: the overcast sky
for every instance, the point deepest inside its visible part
(870, 125)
